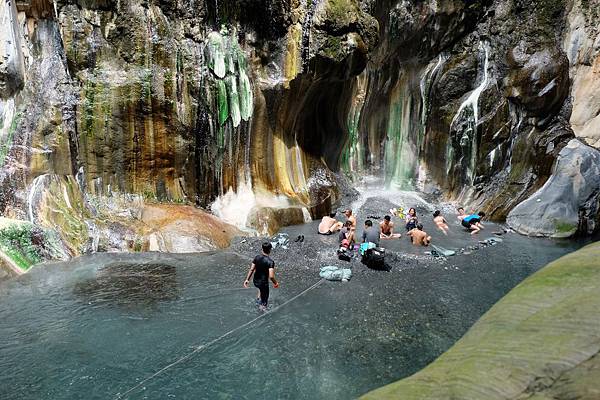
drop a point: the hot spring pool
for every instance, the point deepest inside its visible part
(96, 326)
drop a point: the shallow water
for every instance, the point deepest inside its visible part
(94, 327)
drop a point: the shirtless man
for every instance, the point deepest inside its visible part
(440, 222)
(386, 229)
(418, 237)
(350, 217)
(329, 225)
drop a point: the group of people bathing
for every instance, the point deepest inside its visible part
(262, 269)
(347, 230)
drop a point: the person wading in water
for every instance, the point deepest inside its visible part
(263, 268)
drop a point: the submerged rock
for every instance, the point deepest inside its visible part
(542, 340)
(569, 201)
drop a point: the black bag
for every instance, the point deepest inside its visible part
(374, 258)
(344, 254)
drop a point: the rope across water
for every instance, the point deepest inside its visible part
(204, 346)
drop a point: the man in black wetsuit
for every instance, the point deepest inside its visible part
(263, 268)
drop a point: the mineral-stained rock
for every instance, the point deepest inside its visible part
(582, 45)
(184, 229)
(538, 79)
(569, 202)
(12, 68)
(268, 220)
(183, 102)
(585, 118)
(541, 341)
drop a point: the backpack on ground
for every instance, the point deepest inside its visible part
(374, 258)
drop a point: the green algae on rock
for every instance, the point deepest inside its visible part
(540, 341)
(23, 244)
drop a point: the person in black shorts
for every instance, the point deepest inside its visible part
(473, 222)
(263, 268)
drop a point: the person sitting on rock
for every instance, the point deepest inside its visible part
(473, 222)
(411, 219)
(419, 237)
(347, 233)
(350, 217)
(329, 225)
(370, 234)
(440, 222)
(386, 229)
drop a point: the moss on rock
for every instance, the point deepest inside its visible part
(23, 244)
(544, 330)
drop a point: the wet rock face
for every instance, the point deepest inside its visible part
(12, 68)
(582, 44)
(481, 118)
(182, 101)
(423, 29)
(538, 79)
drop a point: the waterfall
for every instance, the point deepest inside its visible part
(466, 120)
(407, 124)
(36, 185)
(298, 177)
(7, 117)
(234, 206)
(425, 85)
(306, 27)
(353, 154)
(428, 77)
(516, 114)
(400, 147)
(473, 100)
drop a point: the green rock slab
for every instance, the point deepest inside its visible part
(541, 341)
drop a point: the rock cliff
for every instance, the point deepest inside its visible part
(236, 106)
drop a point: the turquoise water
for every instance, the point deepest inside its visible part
(95, 327)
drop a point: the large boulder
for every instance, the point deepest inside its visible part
(568, 203)
(268, 220)
(184, 229)
(541, 341)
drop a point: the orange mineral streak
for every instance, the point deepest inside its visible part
(170, 219)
